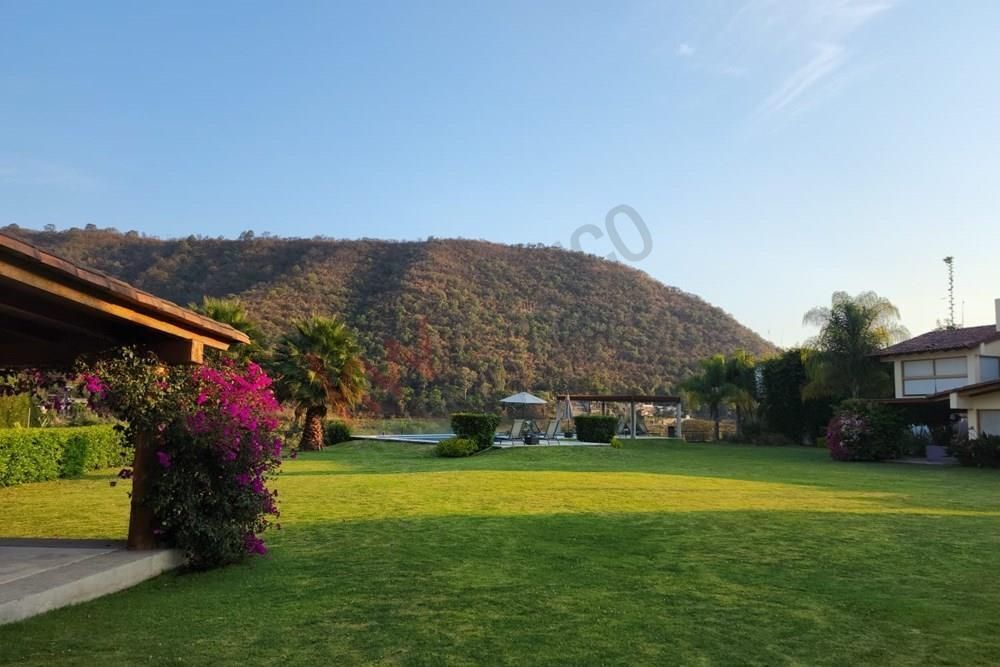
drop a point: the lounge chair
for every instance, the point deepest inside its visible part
(551, 429)
(515, 432)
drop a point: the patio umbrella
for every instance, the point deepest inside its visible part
(523, 399)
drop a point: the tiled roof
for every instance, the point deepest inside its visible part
(945, 339)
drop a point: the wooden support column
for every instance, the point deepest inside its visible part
(680, 418)
(141, 520)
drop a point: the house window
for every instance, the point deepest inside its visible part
(989, 368)
(989, 422)
(929, 376)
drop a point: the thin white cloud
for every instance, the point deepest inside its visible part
(816, 37)
(795, 53)
(827, 60)
(685, 50)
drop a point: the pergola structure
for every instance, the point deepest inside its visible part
(632, 400)
(52, 311)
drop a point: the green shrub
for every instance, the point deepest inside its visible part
(456, 447)
(91, 448)
(616, 442)
(16, 410)
(595, 428)
(981, 452)
(39, 454)
(914, 443)
(476, 426)
(337, 431)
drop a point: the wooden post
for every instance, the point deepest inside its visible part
(141, 519)
(632, 416)
(680, 417)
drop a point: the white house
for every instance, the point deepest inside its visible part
(960, 366)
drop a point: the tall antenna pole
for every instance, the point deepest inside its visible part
(950, 261)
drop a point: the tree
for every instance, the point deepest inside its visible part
(783, 407)
(741, 373)
(318, 367)
(234, 313)
(851, 330)
(712, 388)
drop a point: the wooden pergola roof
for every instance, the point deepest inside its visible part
(622, 398)
(52, 311)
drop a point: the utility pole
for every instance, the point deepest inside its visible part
(950, 262)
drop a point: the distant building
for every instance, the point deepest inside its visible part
(960, 366)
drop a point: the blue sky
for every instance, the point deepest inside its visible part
(777, 151)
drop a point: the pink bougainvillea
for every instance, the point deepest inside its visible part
(842, 434)
(215, 429)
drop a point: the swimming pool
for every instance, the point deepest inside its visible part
(415, 438)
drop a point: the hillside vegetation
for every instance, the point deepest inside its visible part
(444, 323)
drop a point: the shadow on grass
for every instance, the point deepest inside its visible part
(561, 589)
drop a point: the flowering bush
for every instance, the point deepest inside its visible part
(214, 430)
(48, 398)
(981, 452)
(864, 431)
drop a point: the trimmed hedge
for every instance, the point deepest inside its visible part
(456, 447)
(40, 454)
(595, 428)
(16, 410)
(337, 431)
(476, 426)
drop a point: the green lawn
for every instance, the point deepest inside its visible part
(657, 554)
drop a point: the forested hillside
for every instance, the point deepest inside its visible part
(444, 323)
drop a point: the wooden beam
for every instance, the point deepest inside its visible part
(40, 354)
(102, 305)
(66, 324)
(624, 398)
(20, 334)
(180, 351)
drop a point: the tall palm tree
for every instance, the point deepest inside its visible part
(851, 330)
(712, 388)
(234, 313)
(318, 367)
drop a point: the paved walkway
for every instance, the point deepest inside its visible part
(37, 575)
(923, 461)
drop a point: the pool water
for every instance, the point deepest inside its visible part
(418, 438)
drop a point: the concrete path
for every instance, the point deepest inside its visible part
(38, 575)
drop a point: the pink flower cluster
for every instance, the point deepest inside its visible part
(94, 384)
(844, 431)
(236, 412)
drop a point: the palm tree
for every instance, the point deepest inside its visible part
(234, 313)
(712, 388)
(851, 330)
(318, 367)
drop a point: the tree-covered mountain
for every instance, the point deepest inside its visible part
(443, 323)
